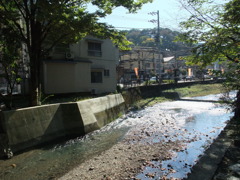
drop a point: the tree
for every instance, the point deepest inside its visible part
(10, 63)
(147, 38)
(215, 30)
(35, 21)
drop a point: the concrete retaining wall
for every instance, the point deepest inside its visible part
(32, 126)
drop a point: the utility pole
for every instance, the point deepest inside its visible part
(158, 27)
(158, 31)
(157, 35)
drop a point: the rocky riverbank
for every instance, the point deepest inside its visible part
(156, 134)
(140, 153)
(125, 160)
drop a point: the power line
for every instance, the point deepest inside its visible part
(130, 28)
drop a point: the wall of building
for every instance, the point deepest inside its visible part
(108, 61)
(66, 77)
(109, 82)
(73, 75)
(32, 126)
(109, 50)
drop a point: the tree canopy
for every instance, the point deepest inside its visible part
(215, 31)
(35, 21)
(10, 63)
(147, 38)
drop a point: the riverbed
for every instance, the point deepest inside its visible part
(162, 141)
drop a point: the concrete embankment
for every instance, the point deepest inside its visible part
(28, 127)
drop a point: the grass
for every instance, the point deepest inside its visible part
(22, 101)
(198, 90)
(64, 99)
(149, 102)
(190, 91)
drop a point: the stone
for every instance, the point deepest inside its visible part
(235, 168)
(233, 178)
(13, 165)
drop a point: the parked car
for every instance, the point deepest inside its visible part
(206, 76)
(153, 79)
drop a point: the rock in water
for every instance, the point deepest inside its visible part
(8, 153)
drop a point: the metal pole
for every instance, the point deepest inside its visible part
(158, 31)
(158, 45)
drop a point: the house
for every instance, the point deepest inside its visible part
(176, 67)
(169, 63)
(216, 66)
(146, 61)
(87, 66)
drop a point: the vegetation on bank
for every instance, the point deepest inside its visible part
(199, 90)
(167, 95)
(189, 91)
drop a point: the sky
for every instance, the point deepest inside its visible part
(170, 15)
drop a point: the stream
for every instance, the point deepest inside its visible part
(196, 123)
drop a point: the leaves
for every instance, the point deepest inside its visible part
(214, 32)
(148, 38)
(42, 19)
(42, 24)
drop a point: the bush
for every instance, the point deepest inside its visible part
(168, 81)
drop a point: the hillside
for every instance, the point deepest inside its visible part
(148, 38)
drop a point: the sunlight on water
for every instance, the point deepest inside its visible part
(202, 123)
(194, 123)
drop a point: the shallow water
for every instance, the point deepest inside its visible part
(196, 124)
(202, 123)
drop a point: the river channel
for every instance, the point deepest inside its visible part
(194, 123)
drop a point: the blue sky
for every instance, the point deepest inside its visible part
(169, 11)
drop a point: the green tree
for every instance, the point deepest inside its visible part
(35, 21)
(215, 30)
(147, 38)
(10, 63)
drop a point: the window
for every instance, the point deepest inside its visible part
(95, 49)
(106, 72)
(96, 77)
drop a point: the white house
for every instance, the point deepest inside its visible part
(169, 63)
(87, 66)
(147, 60)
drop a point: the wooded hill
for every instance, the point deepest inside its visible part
(148, 38)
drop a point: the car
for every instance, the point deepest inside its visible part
(153, 79)
(206, 76)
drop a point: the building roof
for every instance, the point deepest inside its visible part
(167, 59)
